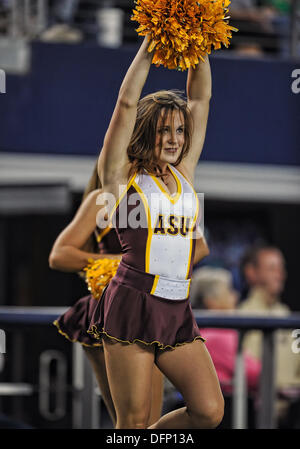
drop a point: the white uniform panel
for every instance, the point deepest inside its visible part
(168, 255)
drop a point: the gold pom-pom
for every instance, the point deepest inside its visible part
(98, 274)
(183, 31)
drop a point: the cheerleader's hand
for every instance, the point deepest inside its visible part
(182, 33)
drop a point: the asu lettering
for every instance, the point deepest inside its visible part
(159, 226)
(172, 225)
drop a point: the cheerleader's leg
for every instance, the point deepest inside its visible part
(129, 370)
(157, 395)
(97, 360)
(190, 368)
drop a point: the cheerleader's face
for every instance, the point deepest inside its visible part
(169, 137)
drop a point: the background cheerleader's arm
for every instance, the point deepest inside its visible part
(201, 250)
(201, 247)
(113, 160)
(68, 253)
(198, 94)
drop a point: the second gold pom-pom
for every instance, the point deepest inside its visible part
(98, 274)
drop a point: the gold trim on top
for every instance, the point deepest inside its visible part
(188, 291)
(190, 234)
(172, 199)
(122, 195)
(150, 230)
(194, 220)
(103, 233)
(155, 282)
(189, 182)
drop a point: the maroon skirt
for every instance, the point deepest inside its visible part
(128, 313)
(74, 323)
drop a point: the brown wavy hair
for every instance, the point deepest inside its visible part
(141, 147)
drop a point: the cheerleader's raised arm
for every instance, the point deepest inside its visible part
(114, 160)
(198, 87)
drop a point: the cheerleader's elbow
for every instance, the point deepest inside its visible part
(53, 261)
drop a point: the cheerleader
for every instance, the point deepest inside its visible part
(144, 318)
(80, 241)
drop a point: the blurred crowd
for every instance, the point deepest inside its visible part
(263, 268)
(264, 25)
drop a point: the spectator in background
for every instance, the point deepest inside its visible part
(212, 290)
(61, 19)
(262, 25)
(264, 270)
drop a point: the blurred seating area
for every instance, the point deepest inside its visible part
(266, 27)
(263, 26)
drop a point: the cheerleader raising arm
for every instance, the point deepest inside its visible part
(199, 85)
(113, 161)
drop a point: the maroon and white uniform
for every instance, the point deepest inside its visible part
(147, 300)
